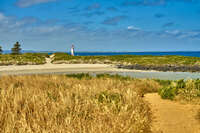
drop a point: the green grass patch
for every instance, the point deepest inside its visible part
(80, 76)
(23, 59)
(130, 59)
(115, 76)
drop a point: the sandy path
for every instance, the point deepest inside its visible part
(48, 60)
(173, 117)
(50, 68)
(54, 68)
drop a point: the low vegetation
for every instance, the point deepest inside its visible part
(145, 62)
(138, 62)
(23, 59)
(74, 103)
(181, 90)
(84, 103)
(128, 59)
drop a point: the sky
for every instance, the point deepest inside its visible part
(101, 25)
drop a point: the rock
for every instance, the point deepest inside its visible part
(174, 68)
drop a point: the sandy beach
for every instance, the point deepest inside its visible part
(51, 68)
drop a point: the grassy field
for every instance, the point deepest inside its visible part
(23, 59)
(74, 104)
(80, 103)
(128, 59)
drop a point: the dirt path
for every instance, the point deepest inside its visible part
(48, 60)
(173, 117)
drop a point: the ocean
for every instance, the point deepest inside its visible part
(193, 54)
(181, 53)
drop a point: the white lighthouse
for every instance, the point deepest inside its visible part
(72, 50)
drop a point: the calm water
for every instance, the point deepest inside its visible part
(194, 54)
(162, 75)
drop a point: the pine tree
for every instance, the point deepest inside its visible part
(1, 51)
(16, 48)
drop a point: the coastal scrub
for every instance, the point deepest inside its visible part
(65, 104)
(22, 59)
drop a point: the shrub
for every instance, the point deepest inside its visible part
(80, 76)
(168, 92)
(197, 84)
(181, 84)
(164, 82)
(190, 91)
(116, 76)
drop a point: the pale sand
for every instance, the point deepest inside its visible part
(52, 66)
(173, 117)
(61, 68)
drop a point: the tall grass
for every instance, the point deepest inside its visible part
(58, 104)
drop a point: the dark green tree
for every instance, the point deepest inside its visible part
(1, 51)
(16, 48)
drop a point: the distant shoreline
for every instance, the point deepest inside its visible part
(35, 61)
(96, 53)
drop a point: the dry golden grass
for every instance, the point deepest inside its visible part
(59, 104)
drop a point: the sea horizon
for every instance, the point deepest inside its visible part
(108, 53)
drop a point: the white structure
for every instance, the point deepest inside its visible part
(72, 50)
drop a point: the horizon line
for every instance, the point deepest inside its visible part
(102, 51)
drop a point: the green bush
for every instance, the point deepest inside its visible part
(116, 76)
(181, 84)
(164, 82)
(80, 76)
(197, 84)
(168, 92)
(186, 90)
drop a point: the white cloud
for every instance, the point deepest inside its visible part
(133, 28)
(174, 32)
(27, 3)
(2, 17)
(181, 34)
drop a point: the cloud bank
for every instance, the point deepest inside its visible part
(27, 3)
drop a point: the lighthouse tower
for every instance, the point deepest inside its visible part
(72, 50)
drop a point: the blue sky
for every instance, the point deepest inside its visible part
(101, 25)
